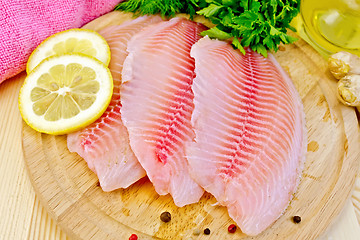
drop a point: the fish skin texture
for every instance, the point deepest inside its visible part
(105, 143)
(157, 105)
(250, 132)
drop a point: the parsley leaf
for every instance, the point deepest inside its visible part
(167, 8)
(210, 10)
(259, 24)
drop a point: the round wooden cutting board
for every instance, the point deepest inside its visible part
(71, 194)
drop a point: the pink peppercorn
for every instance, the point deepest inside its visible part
(133, 237)
(232, 228)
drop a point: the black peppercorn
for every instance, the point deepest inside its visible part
(165, 217)
(297, 219)
(207, 231)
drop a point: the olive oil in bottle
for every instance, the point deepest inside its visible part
(330, 26)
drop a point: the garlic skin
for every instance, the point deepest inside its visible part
(349, 90)
(344, 63)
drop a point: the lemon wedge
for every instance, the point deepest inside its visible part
(65, 93)
(74, 40)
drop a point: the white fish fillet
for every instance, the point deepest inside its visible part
(250, 132)
(157, 104)
(105, 144)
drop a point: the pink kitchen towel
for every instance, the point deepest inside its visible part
(24, 24)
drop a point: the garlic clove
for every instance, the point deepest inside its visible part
(338, 67)
(344, 63)
(349, 90)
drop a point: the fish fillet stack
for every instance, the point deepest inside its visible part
(194, 114)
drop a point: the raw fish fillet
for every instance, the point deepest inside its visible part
(157, 104)
(250, 132)
(105, 144)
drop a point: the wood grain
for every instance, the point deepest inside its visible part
(356, 198)
(12, 186)
(69, 191)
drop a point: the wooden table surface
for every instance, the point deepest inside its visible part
(23, 217)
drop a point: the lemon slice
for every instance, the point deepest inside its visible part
(65, 93)
(74, 40)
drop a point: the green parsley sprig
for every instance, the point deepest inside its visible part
(259, 24)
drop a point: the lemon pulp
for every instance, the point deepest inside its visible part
(70, 45)
(56, 99)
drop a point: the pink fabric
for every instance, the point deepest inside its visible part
(24, 24)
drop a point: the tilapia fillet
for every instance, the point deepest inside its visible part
(105, 144)
(250, 133)
(157, 103)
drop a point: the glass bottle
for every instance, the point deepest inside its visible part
(330, 26)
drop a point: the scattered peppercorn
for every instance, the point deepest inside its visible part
(207, 231)
(232, 228)
(133, 237)
(196, 232)
(165, 217)
(297, 219)
(98, 184)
